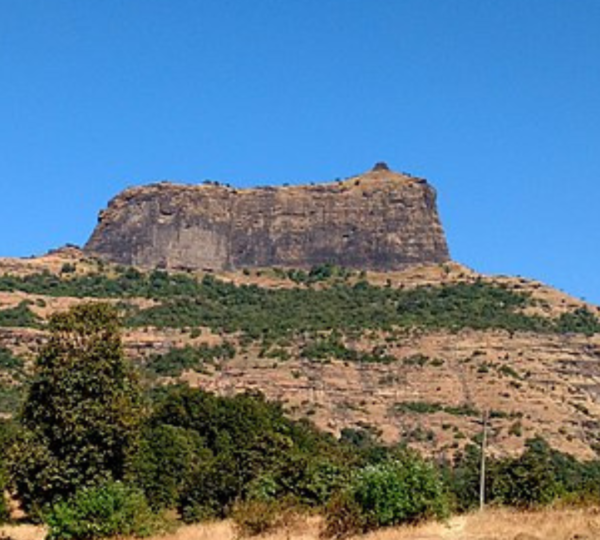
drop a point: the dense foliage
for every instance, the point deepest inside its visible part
(539, 476)
(7, 433)
(240, 456)
(201, 452)
(263, 313)
(81, 415)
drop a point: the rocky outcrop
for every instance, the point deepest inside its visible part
(380, 220)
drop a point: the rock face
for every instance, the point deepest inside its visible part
(380, 220)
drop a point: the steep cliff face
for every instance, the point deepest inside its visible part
(380, 220)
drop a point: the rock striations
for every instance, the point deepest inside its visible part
(380, 220)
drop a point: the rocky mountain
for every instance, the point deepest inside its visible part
(338, 300)
(380, 220)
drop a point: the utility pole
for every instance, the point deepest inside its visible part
(483, 449)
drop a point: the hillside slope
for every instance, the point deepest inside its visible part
(415, 355)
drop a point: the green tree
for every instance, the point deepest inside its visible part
(80, 420)
(7, 432)
(527, 481)
(168, 456)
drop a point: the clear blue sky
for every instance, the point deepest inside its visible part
(496, 102)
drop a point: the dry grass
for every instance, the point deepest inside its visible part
(22, 532)
(221, 530)
(494, 524)
(502, 524)
(551, 524)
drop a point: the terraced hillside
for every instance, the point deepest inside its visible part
(415, 356)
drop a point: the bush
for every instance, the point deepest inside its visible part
(463, 478)
(399, 492)
(252, 518)
(206, 452)
(390, 493)
(19, 316)
(174, 362)
(343, 517)
(580, 320)
(110, 510)
(538, 477)
(245, 435)
(426, 407)
(8, 361)
(4, 512)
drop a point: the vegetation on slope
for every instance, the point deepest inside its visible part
(259, 313)
(177, 360)
(92, 460)
(19, 316)
(12, 374)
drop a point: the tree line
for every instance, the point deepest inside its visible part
(91, 456)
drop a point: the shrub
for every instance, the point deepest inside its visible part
(10, 397)
(397, 492)
(174, 362)
(332, 347)
(257, 312)
(463, 478)
(233, 448)
(537, 477)
(253, 517)
(343, 516)
(113, 509)
(4, 513)
(426, 407)
(407, 490)
(19, 316)
(8, 361)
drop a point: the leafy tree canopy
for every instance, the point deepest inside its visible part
(82, 413)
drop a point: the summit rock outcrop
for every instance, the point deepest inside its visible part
(380, 220)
